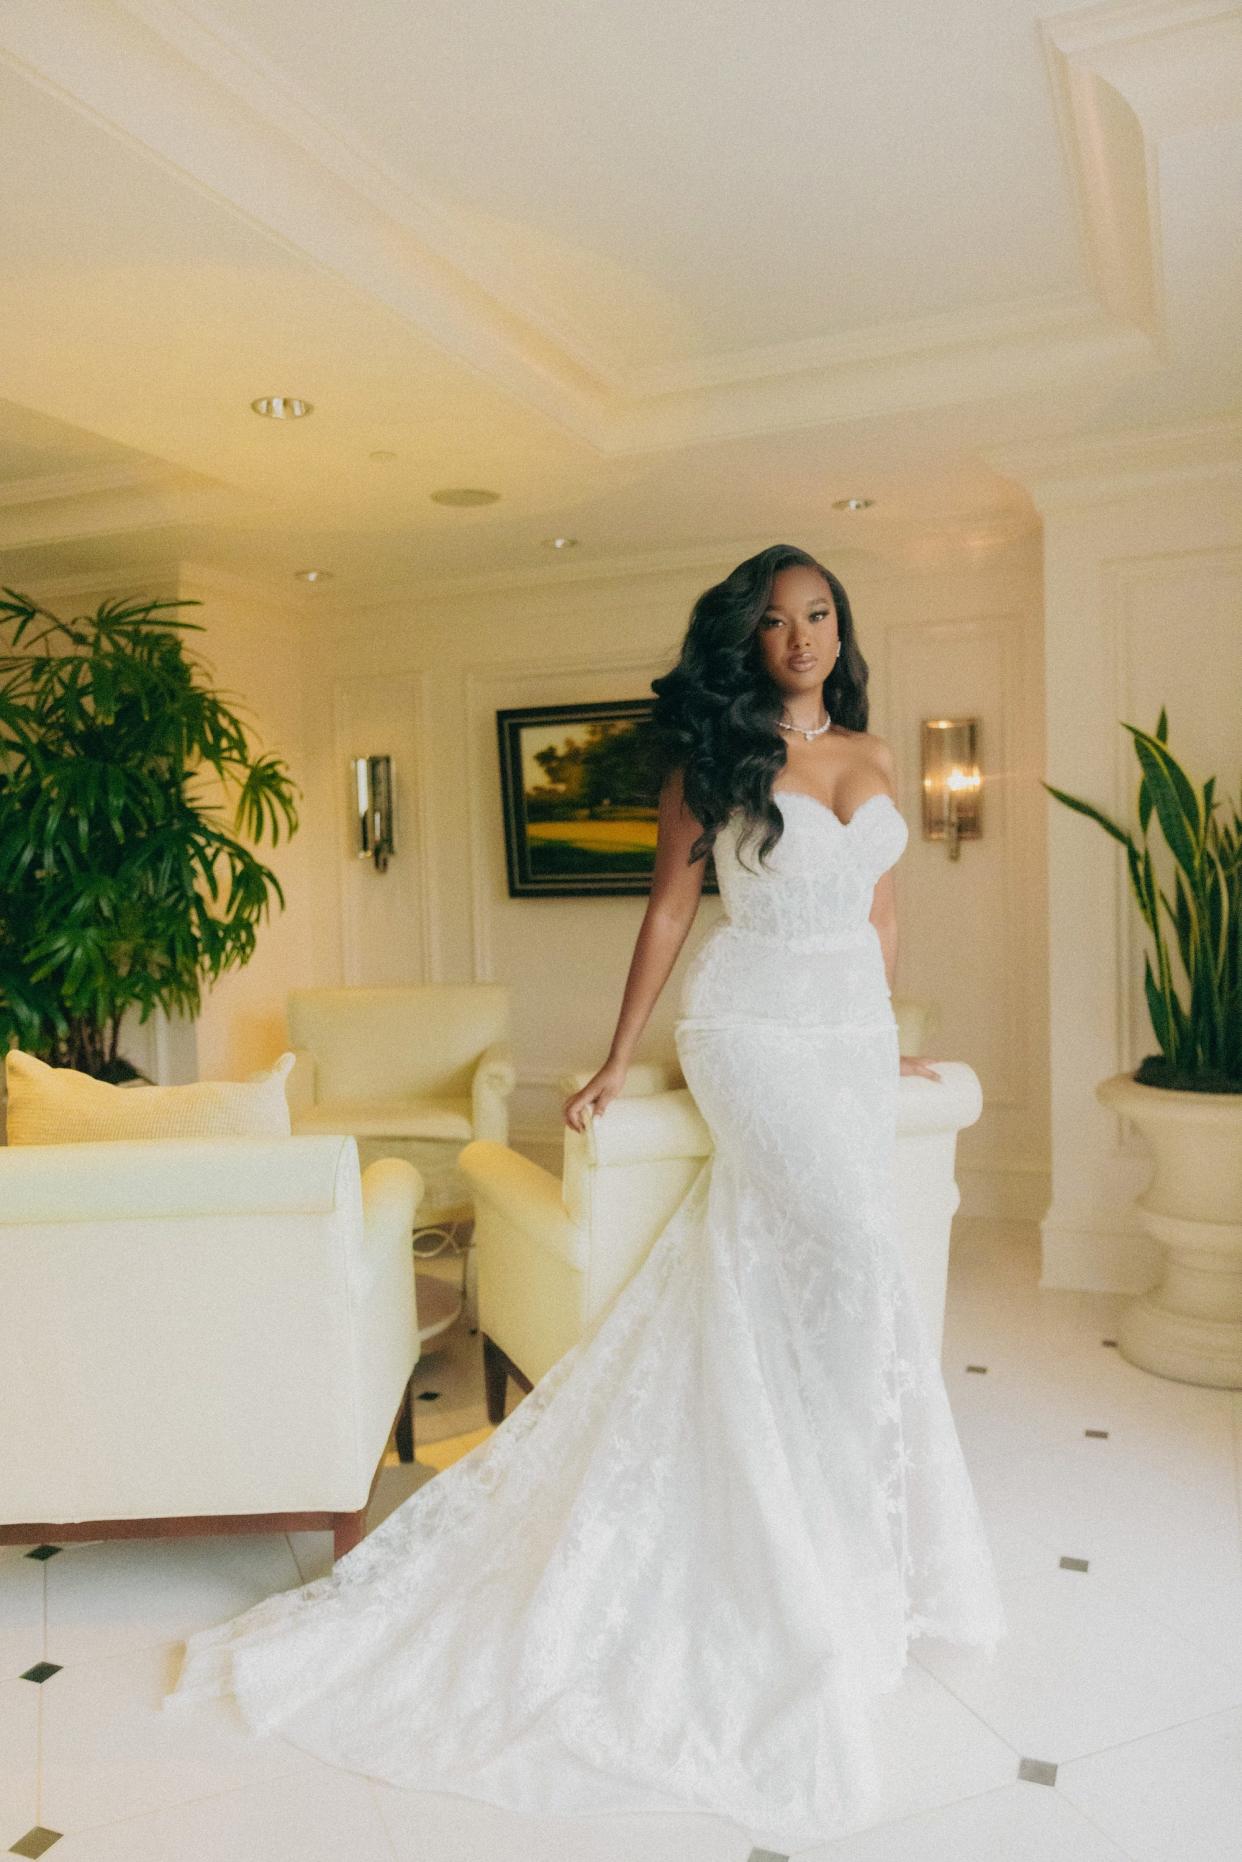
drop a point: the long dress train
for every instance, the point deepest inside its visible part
(681, 1572)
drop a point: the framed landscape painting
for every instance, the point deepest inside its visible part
(580, 789)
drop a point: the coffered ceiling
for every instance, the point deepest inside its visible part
(667, 276)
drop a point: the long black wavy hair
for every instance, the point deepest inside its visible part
(715, 715)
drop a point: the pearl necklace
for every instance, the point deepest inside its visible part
(817, 732)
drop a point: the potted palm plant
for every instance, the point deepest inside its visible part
(1187, 1099)
(130, 805)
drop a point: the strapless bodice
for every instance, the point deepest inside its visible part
(820, 878)
(796, 944)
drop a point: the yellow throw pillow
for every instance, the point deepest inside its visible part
(56, 1105)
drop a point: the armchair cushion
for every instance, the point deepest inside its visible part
(58, 1105)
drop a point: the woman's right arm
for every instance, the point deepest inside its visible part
(676, 887)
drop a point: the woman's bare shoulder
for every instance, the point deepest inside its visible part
(871, 753)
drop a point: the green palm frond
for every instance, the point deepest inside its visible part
(121, 885)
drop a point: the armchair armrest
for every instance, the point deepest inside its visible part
(517, 1192)
(391, 1193)
(643, 1078)
(647, 1128)
(494, 1079)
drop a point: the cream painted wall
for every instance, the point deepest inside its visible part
(1144, 608)
(424, 683)
(256, 652)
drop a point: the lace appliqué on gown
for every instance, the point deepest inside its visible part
(681, 1572)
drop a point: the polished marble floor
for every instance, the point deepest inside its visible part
(1110, 1726)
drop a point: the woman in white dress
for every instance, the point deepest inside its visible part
(680, 1574)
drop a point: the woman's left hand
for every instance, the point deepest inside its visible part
(911, 1063)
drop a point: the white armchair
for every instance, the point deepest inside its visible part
(551, 1254)
(409, 1072)
(201, 1336)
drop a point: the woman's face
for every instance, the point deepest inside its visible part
(797, 631)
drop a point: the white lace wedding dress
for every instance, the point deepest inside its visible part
(680, 1572)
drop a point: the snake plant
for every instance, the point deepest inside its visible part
(1197, 1016)
(130, 801)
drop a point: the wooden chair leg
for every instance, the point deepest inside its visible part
(495, 1379)
(405, 1424)
(348, 1530)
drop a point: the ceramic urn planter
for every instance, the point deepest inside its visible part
(1189, 1325)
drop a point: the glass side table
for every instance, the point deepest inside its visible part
(440, 1304)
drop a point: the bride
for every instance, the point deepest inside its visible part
(680, 1574)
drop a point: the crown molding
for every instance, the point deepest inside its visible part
(154, 75)
(172, 81)
(87, 481)
(954, 539)
(1128, 77)
(159, 580)
(230, 585)
(1087, 29)
(1109, 467)
(941, 548)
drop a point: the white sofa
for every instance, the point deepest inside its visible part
(201, 1336)
(551, 1253)
(412, 1072)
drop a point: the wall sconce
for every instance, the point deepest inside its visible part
(952, 783)
(373, 781)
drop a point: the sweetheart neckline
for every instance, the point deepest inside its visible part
(881, 795)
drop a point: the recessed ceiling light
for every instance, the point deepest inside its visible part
(464, 494)
(313, 575)
(382, 456)
(282, 407)
(852, 504)
(560, 543)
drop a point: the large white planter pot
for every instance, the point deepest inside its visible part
(1189, 1325)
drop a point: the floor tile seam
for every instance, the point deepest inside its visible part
(1143, 1602)
(1116, 1455)
(911, 1816)
(1139, 1604)
(1007, 1458)
(971, 1709)
(373, 1793)
(1157, 1506)
(1076, 1809)
(1229, 1667)
(39, 1716)
(1137, 1739)
(202, 1797)
(77, 1662)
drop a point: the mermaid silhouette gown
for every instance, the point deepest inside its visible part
(680, 1573)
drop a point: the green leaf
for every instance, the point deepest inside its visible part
(1176, 803)
(1088, 809)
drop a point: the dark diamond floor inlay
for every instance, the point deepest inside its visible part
(45, 1551)
(1073, 1564)
(35, 1841)
(977, 1367)
(1108, 1341)
(42, 1671)
(1102, 1434)
(1038, 1771)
